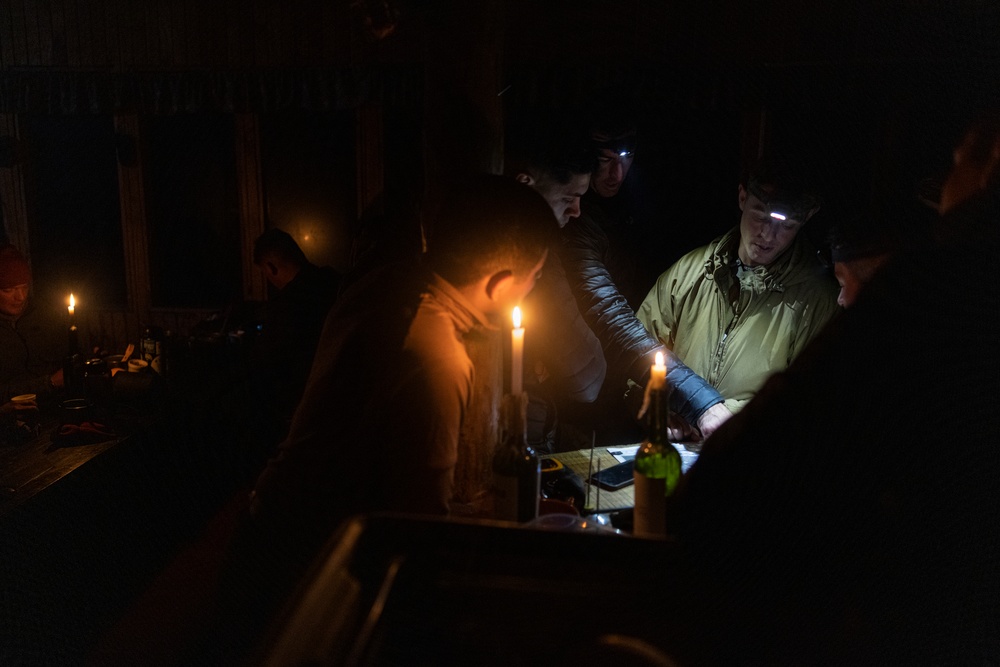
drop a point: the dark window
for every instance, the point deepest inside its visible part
(75, 229)
(193, 211)
(309, 181)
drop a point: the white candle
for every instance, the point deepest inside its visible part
(658, 374)
(517, 354)
(72, 305)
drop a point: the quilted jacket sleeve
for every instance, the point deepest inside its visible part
(628, 347)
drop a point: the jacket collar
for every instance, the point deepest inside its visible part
(467, 317)
(792, 266)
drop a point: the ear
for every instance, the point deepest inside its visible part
(524, 178)
(498, 283)
(742, 196)
(271, 268)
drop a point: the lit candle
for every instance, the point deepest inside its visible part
(658, 374)
(73, 344)
(517, 354)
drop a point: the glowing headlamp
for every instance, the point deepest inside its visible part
(781, 208)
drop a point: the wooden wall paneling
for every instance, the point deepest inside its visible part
(31, 36)
(6, 36)
(19, 32)
(71, 14)
(85, 29)
(135, 229)
(236, 33)
(43, 17)
(124, 33)
(261, 44)
(163, 15)
(251, 192)
(13, 195)
(100, 19)
(58, 48)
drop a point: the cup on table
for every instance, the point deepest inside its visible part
(26, 408)
(137, 365)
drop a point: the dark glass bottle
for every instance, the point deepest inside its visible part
(517, 471)
(657, 468)
(149, 345)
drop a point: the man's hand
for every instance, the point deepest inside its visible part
(678, 430)
(712, 419)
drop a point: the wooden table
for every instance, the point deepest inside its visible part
(602, 500)
(29, 466)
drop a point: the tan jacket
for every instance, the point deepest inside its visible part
(733, 338)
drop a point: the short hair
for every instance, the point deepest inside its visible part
(612, 122)
(860, 236)
(554, 148)
(279, 244)
(790, 184)
(488, 224)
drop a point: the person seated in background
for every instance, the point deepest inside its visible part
(600, 256)
(859, 247)
(33, 343)
(290, 328)
(378, 426)
(834, 520)
(744, 306)
(564, 362)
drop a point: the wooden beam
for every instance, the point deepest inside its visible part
(12, 187)
(135, 226)
(251, 193)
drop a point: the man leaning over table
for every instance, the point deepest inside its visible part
(744, 306)
(33, 343)
(378, 425)
(848, 515)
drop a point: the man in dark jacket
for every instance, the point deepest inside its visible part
(849, 514)
(564, 362)
(292, 322)
(600, 255)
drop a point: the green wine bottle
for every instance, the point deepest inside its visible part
(657, 466)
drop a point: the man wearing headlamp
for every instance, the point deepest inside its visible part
(742, 307)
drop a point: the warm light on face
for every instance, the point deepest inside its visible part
(517, 317)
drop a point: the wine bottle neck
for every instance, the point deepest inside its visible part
(657, 423)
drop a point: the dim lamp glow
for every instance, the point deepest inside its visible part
(516, 354)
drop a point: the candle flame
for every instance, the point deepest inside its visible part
(72, 301)
(658, 359)
(517, 317)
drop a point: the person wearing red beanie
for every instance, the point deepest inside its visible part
(30, 354)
